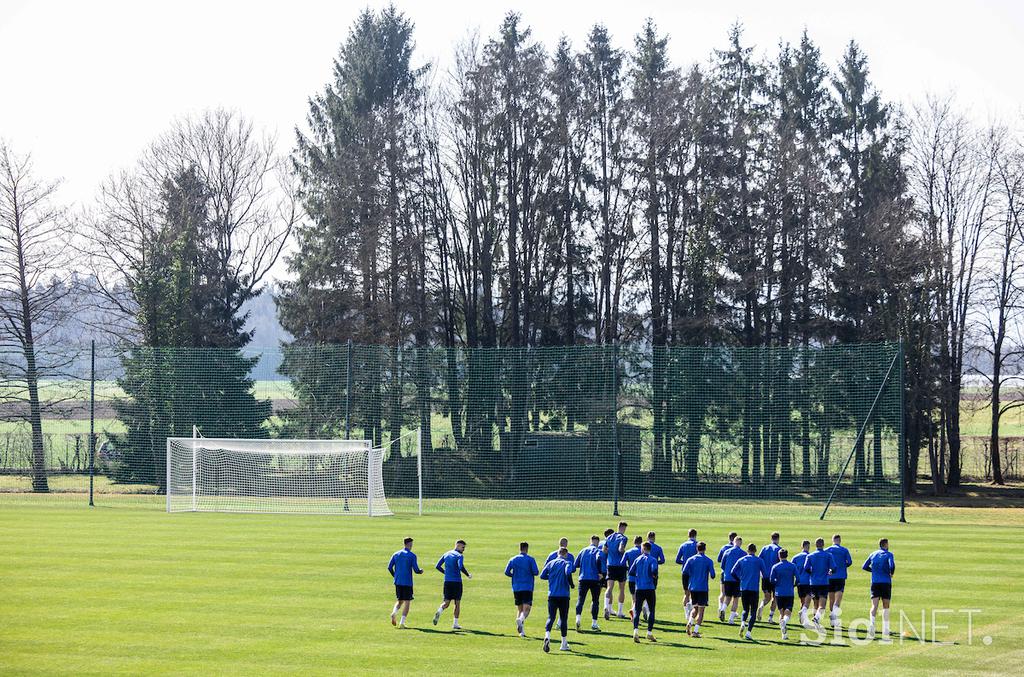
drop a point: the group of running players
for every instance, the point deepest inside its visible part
(757, 580)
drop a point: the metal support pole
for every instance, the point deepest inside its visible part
(860, 434)
(419, 467)
(615, 429)
(348, 392)
(92, 420)
(903, 439)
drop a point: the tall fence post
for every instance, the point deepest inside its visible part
(615, 429)
(348, 392)
(92, 419)
(902, 438)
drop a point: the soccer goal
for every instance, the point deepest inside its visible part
(335, 477)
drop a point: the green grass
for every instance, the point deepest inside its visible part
(130, 589)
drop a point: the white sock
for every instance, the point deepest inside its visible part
(547, 634)
(782, 623)
(837, 611)
(732, 616)
(721, 607)
(696, 628)
(885, 621)
(817, 615)
(440, 610)
(620, 608)
(456, 621)
(577, 618)
(403, 620)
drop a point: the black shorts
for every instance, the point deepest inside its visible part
(784, 603)
(767, 586)
(452, 590)
(836, 584)
(819, 591)
(616, 573)
(403, 592)
(632, 587)
(523, 597)
(731, 588)
(803, 589)
(686, 581)
(699, 597)
(881, 590)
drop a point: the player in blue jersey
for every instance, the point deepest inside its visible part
(602, 556)
(687, 550)
(803, 587)
(732, 583)
(522, 569)
(645, 570)
(696, 571)
(563, 542)
(749, 570)
(452, 564)
(784, 577)
(841, 561)
(588, 564)
(628, 558)
(882, 566)
(721, 584)
(615, 544)
(402, 566)
(657, 552)
(558, 574)
(819, 566)
(770, 556)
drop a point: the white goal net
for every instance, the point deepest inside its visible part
(275, 476)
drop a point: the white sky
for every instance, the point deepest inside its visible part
(84, 86)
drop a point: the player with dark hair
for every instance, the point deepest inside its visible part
(732, 583)
(588, 563)
(783, 577)
(722, 605)
(882, 566)
(522, 569)
(841, 560)
(696, 571)
(819, 566)
(770, 556)
(687, 550)
(803, 587)
(452, 564)
(402, 566)
(645, 569)
(558, 574)
(616, 547)
(749, 570)
(628, 558)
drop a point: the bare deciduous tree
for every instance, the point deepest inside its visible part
(35, 298)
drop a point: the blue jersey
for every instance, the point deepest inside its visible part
(554, 555)
(645, 570)
(558, 574)
(628, 558)
(602, 560)
(687, 550)
(729, 558)
(614, 542)
(521, 569)
(749, 569)
(699, 568)
(882, 566)
(770, 556)
(722, 551)
(800, 561)
(784, 576)
(588, 564)
(841, 559)
(658, 553)
(402, 566)
(818, 565)
(452, 565)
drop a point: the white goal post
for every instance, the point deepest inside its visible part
(336, 477)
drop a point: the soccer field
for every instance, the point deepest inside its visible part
(134, 590)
